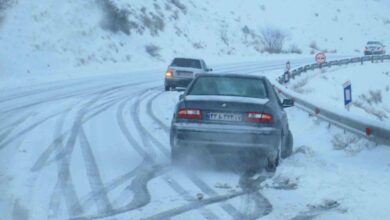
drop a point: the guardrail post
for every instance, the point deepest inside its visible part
(361, 60)
(372, 59)
(382, 58)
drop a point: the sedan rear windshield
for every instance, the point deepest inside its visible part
(374, 43)
(229, 86)
(191, 63)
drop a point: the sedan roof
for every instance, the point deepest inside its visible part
(221, 74)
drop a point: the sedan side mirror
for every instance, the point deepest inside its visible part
(287, 103)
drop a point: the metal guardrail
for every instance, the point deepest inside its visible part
(375, 131)
(300, 70)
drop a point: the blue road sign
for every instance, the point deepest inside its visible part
(286, 77)
(347, 94)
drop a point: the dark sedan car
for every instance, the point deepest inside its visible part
(232, 114)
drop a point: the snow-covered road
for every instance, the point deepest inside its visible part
(99, 148)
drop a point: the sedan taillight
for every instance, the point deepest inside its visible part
(191, 114)
(257, 117)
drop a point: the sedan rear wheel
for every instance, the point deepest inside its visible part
(272, 163)
(288, 147)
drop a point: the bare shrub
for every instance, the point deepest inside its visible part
(350, 143)
(342, 141)
(115, 20)
(153, 50)
(153, 22)
(373, 97)
(224, 37)
(246, 30)
(4, 4)
(313, 45)
(251, 33)
(295, 49)
(273, 39)
(366, 102)
(299, 86)
(180, 6)
(199, 45)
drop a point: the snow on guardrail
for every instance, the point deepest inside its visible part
(376, 131)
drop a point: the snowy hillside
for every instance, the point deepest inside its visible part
(70, 38)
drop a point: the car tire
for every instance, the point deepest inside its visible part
(288, 147)
(272, 163)
(167, 88)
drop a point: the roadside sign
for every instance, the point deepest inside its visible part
(286, 77)
(320, 58)
(347, 94)
(288, 66)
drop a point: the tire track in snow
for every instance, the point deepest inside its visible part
(260, 200)
(92, 196)
(195, 205)
(75, 92)
(94, 177)
(64, 180)
(55, 198)
(43, 160)
(142, 174)
(174, 185)
(142, 198)
(19, 134)
(16, 123)
(208, 214)
(138, 187)
(228, 208)
(88, 199)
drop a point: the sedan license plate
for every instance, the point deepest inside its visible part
(184, 74)
(219, 116)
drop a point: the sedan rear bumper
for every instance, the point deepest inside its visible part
(177, 82)
(220, 139)
(373, 52)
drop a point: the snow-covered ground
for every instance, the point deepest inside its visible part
(370, 89)
(100, 149)
(84, 121)
(56, 40)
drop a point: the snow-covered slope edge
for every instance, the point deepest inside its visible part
(65, 37)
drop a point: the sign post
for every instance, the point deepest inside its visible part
(347, 94)
(286, 75)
